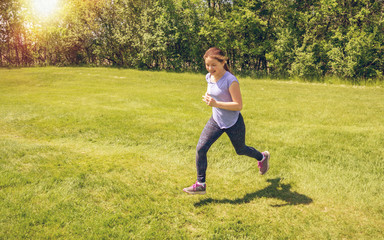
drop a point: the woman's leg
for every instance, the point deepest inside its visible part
(236, 134)
(209, 135)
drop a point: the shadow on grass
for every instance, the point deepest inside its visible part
(276, 190)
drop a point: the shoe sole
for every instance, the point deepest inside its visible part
(269, 156)
(196, 193)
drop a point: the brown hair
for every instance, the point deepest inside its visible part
(217, 54)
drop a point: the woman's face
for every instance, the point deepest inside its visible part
(214, 66)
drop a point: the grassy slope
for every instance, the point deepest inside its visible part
(104, 153)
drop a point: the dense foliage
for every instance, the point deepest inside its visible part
(301, 38)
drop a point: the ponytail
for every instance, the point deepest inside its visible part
(226, 67)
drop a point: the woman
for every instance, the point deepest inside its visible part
(223, 95)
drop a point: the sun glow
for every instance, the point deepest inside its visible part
(45, 8)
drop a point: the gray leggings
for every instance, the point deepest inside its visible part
(211, 133)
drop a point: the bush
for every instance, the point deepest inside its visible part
(304, 65)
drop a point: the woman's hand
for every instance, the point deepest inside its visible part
(210, 101)
(235, 105)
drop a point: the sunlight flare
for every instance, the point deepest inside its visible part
(45, 8)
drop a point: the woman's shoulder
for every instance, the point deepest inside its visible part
(230, 77)
(208, 77)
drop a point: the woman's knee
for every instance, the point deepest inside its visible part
(241, 150)
(201, 150)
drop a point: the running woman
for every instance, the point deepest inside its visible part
(223, 95)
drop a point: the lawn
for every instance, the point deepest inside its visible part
(101, 153)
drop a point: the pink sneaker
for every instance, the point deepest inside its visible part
(196, 189)
(264, 164)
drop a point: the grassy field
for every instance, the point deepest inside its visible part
(98, 153)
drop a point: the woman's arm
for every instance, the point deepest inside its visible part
(235, 105)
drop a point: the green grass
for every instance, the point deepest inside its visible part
(98, 153)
